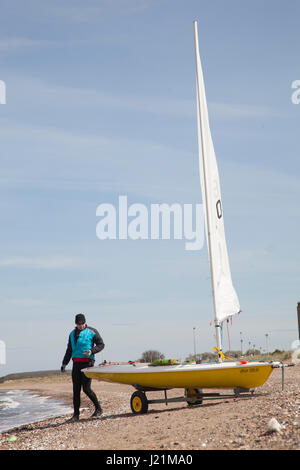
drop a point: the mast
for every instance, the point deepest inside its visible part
(202, 142)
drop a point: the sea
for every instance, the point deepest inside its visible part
(20, 407)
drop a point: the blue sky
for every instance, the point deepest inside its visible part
(101, 103)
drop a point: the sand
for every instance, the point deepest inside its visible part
(235, 423)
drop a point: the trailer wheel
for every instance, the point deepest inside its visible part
(193, 400)
(139, 403)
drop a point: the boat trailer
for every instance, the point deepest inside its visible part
(193, 396)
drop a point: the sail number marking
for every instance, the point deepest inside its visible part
(219, 209)
(253, 369)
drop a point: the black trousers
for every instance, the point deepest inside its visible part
(81, 380)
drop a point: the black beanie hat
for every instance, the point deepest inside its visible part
(80, 318)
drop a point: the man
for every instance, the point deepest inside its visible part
(83, 343)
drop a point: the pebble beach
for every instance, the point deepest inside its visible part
(269, 420)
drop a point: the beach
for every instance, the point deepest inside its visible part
(231, 423)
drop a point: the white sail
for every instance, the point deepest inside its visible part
(226, 302)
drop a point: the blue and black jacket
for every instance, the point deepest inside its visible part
(81, 341)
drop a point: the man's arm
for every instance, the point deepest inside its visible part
(98, 342)
(68, 354)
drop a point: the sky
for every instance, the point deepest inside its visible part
(101, 102)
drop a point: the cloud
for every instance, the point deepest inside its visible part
(12, 44)
(24, 302)
(241, 111)
(46, 157)
(42, 93)
(51, 262)
(28, 90)
(93, 12)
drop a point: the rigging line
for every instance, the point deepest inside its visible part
(228, 335)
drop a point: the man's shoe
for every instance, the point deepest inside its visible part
(74, 419)
(97, 413)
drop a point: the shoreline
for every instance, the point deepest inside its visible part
(235, 424)
(42, 386)
(63, 399)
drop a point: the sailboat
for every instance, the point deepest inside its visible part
(237, 375)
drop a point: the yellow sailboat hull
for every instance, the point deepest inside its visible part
(219, 375)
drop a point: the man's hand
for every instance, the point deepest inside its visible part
(63, 368)
(87, 353)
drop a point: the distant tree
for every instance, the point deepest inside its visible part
(252, 352)
(208, 356)
(201, 357)
(151, 355)
(234, 354)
